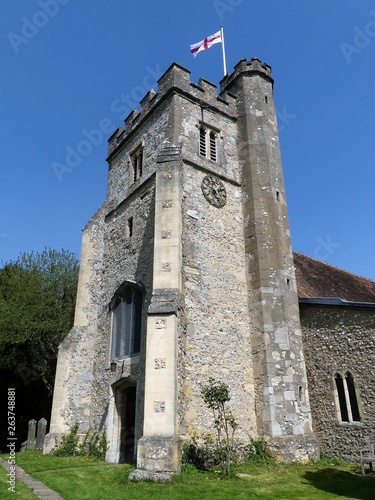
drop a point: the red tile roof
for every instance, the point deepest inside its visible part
(317, 279)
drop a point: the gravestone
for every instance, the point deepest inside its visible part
(31, 441)
(41, 433)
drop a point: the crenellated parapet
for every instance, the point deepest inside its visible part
(175, 80)
(254, 66)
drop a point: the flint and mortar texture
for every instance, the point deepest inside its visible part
(338, 340)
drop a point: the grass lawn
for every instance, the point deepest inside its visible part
(79, 478)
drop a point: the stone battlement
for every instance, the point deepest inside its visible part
(255, 65)
(175, 80)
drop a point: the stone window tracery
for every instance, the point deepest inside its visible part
(346, 398)
(126, 312)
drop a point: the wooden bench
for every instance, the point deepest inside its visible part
(367, 456)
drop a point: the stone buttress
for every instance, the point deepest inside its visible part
(159, 448)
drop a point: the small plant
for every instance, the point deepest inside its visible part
(259, 452)
(199, 452)
(329, 460)
(93, 445)
(216, 395)
(68, 444)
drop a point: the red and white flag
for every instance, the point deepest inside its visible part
(206, 43)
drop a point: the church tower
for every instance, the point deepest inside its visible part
(187, 273)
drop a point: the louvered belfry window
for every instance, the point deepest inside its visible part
(202, 141)
(212, 146)
(126, 324)
(208, 143)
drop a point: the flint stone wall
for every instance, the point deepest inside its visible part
(217, 341)
(339, 339)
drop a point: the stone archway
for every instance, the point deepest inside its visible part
(122, 431)
(127, 409)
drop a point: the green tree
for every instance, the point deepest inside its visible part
(37, 301)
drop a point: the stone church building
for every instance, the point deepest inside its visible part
(187, 272)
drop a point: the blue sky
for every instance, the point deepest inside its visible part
(73, 69)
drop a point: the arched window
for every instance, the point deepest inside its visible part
(208, 143)
(347, 398)
(212, 146)
(126, 323)
(341, 397)
(137, 163)
(202, 141)
(352, 397)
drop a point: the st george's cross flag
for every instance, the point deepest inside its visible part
(206, 43)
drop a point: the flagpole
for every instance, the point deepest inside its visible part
(223, 47)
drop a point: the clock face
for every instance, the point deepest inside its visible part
(214, 191)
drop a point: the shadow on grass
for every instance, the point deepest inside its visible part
(342, 483)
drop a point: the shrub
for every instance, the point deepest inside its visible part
(259, 452)
(199, 452)
(68, 444)
(93, 444)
